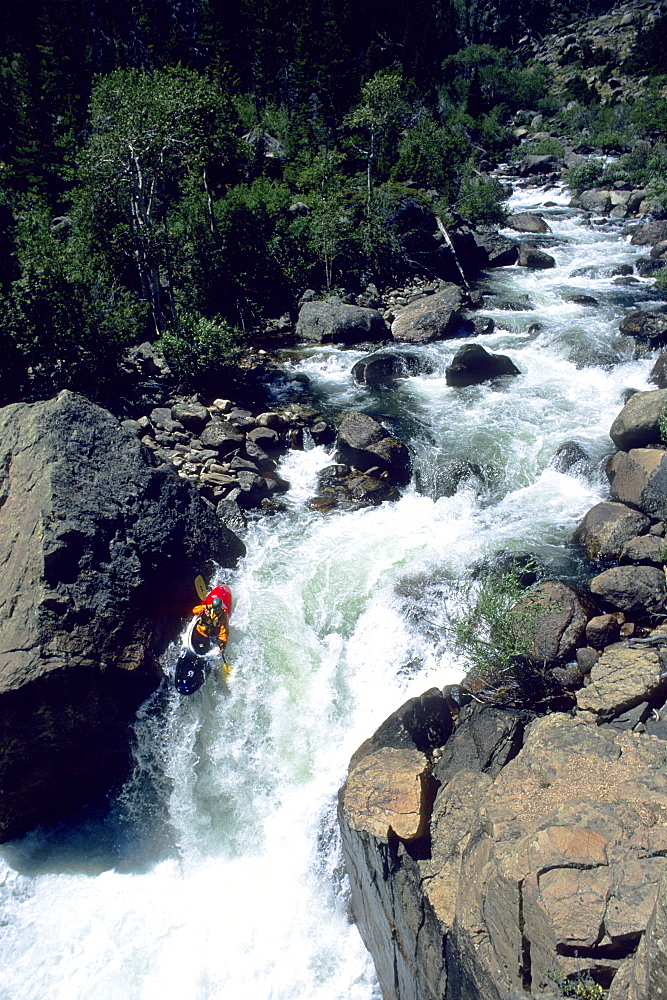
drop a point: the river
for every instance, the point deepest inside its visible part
(216, 873)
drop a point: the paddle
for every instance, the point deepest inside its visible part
(201, 588)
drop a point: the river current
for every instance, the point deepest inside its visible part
(216, 873)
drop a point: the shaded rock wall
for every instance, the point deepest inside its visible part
(99, 550)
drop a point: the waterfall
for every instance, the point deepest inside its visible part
(216, 874)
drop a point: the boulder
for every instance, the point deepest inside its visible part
(528, 222)
(553, 617)
(341, 488)
(638, 591)
(433, 317)
(384, 368)
(533, 258)
(649, 234)
(658, 374)
(100, 549)
(596, 200)
(606, 528)
(498, 251)
(645, 325)
(638, 423)
(622, 678)
(472, 364)
(222, 436)
(363, 443)
(648, 550)
(538, 163)
(193, 416)
(603, 630)
(334, 322)
(638, 478)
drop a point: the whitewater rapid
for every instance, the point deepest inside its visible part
(216, 873)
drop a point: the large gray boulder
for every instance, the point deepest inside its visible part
(498, 251)
(649, 234)
(606, 528)
(334, 322)
(637, 591)
(638, 423)
(364, 444)
(533, 258)
(432, 318)
(553, 617)
(472, 365)
(528, 222)
(638, 478)
(100, 549)
(645, 325)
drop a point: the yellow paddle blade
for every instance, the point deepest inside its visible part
(226, 671)
(200, 587)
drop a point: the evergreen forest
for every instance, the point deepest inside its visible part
(181, 171)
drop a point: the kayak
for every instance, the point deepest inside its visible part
(195, 660)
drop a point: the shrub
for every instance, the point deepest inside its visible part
(481, 200)
(197, 346)
(494, 643)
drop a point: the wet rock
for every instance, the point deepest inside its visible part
(658, 374)
(603, 630)
(638, 591)
(339, 486)
(569, 455)
(383, 369)
(334, 322)
(645, 325)
(433, 318)
(537, 163)
(231, 515)
(322, 433)
(533, 258)
(581, 300)
(363, 443)
(472, 365)
(528, 222)
(606, 528)
(638, 423)
(499, 251)
(90, 532)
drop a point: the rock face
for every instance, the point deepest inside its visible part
(100, 549)
(432, 318)
(472, 365)
(333, 322)
(542, 856)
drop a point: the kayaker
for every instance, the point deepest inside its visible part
(213, 621)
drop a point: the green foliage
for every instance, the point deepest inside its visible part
(547, 146)
(486, 630)
(199, 347)
(662, 420)
(581, 986)
(68, 323)
(661, 283)
(585, 175)
(481, 200)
